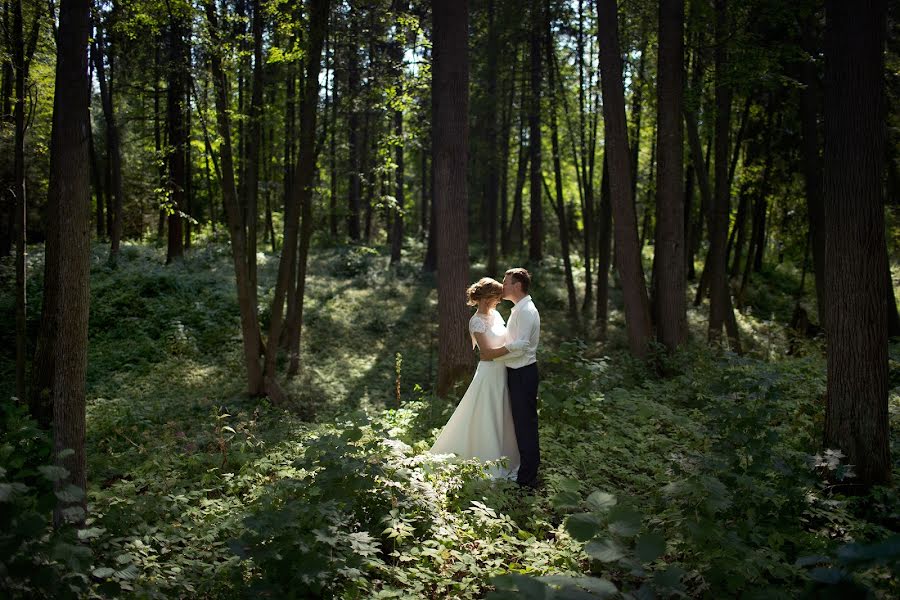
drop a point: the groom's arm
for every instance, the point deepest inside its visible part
(487, 353)
(516, 346)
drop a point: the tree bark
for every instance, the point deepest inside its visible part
(251, 164)
(559, 204)
(856, 415)
(294, 253)
(671, 309)
(490, 134)
(113, 149)
(69, 192)
(637, 310)
(21, 209)
(812, 165)
(178, 136)
(353, 160)
(397, 231)
(246, 301)
(720, 297)
(604, 237)
(450, 102)
(536, 221)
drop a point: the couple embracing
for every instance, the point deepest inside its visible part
(497, 416)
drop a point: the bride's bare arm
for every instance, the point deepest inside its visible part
(486, 352)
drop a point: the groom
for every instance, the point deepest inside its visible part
(523, 330)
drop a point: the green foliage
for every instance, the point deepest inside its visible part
(36, 561)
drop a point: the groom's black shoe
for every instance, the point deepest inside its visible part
(532, 484)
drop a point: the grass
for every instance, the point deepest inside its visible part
(196, 489)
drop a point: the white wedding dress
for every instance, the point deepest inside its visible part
(482, 425)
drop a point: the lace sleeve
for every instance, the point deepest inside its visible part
(477, 325)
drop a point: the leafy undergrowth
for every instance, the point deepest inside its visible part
(710, 482)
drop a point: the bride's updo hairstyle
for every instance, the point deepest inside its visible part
(483, 289)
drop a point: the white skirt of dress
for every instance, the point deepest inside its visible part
(482, 424)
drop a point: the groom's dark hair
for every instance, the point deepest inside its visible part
(522, 276)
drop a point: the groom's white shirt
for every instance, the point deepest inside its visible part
(524, 325)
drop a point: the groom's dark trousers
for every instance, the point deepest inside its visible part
(523, 390)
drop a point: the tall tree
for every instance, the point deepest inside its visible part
(246, 299)
(720, 296)
(253, 143)
(628, 258)
(397, 231)
(101, 52)
(178, 65)
(22, 52)
(298, 213)
(536, 221)
(670, 305)
(856, 415)
(70, 200)
(450, 105)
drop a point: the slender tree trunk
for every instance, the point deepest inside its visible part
(353, 164)
(332, 151)
(740, 230)
(586, 151)
(637, 106)
(113, 151)
(505, 130)
(604, 235)
(246, 300)
(177, 136)
(300, 208)
(671, 308)
(856, 415)
(97, 184)
(252, 146)
(559, 204)
(720, 297)
(516, 222)
(536, 221)
(69, 192)
(21, 208)
(491, 166)
(812, 166)
(450, 103)
(637, 309)
(397, 231)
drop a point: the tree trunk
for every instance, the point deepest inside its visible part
(332, 151)
(353, 162)
(536, 221)
(516, 221)
(587, 148)
(178, 136)
(69, 197)
(637, 105)
(21, 209)
(450, 103)
(637, 310)
(720, 297)
(246, 300)
(670, 281)
(113, 150)
(491, 166)
(251, 164)
(97, 184)
(560, 204)
(604, 235)
(812, 165)
(397, 231)
(294, 254)
(739, 233)
(856, 416)
(505, 130)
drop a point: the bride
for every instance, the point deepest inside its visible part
(482, 424)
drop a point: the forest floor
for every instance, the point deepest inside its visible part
(700, 474)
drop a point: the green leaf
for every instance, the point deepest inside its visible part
(650, 546)
(669, 578)
(70, 493)
(90, 533)
(601, 501)
(566, 500)
(103, 572)
(604, 551)
(527, 588)
(827, 576)
(583, 526)
(129, 572)
(9, 490)
(53, 473)
(624, 521)
(569, 485)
